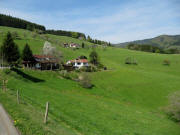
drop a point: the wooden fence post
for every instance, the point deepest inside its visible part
(17, 96)
(46, 113)
(5, 85)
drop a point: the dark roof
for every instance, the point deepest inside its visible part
(43, 59)
(43, 56)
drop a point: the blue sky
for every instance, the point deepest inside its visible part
(110, 20)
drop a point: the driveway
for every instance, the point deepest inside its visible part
(6, 125)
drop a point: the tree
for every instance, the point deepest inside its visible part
(48, 49)
(94, 58)
(89, 38)
(10, 50)
(83, 45)
(27, 54)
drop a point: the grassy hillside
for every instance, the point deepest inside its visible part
(126, 99)
(160, 41)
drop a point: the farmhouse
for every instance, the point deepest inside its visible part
(43, 62)
(78, 63)
(73, 45)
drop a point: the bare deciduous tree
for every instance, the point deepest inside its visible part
(48, 49)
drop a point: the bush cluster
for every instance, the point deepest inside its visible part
(7, 71)
(68, 75)
(85, 81)
(166, 62)
(130, 60)
(173, 110)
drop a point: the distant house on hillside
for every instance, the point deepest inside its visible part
(78, 63)
(73, 45)
(43, 62)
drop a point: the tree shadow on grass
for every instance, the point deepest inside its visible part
(26, 76)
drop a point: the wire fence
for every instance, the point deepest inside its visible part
(39, 107)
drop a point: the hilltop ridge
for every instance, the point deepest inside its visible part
(159, 41)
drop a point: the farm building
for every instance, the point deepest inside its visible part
(73, 45)
(43, 62)
(78, 63)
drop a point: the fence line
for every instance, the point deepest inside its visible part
(22, 99)
(40, 108)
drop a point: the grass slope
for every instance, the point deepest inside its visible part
(126, 99)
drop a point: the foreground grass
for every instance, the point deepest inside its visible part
(126, 99)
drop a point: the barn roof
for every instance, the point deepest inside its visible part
(79, 60)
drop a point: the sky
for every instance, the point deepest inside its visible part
(115, 21)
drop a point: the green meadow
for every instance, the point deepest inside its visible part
(125, 99)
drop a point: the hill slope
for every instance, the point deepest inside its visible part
(126, 99)
(160, 41)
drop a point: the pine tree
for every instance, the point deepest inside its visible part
(89, 39)
(10, 50)
(83, 45)
(27, 54)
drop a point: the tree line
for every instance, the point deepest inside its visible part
(145, 48)
(154, 49)
(66, 33)
(7, 20)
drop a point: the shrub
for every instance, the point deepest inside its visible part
(166, 62)
(65, 74)
(173, 110)
(7, 71)
(69, 75)
(128, 60)
(85, 81)
(82, 57)
(83, 69)
(92, 68)
(105, 68)
(100, 66)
